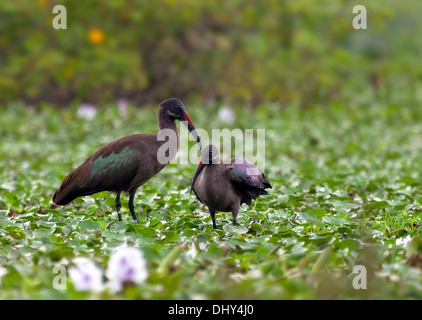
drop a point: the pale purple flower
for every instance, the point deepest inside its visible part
(122, 106)
(87, 111)
(226, 114)
(126, 265)
(86, 276)
(404, 241)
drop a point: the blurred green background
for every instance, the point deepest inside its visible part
(301, 52)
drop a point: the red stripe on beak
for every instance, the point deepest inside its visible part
(187, 118)
(191, 128)
(199, 165)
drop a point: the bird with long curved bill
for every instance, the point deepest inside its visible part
(127, 163)
(225, 187)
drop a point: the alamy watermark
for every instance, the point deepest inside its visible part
(359, 21)
(59, 281)
(360, 280)
(236, 143)
(60, 21)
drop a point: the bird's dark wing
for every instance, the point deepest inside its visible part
(114, 170)
(197, 195)
(248, 179)
(110, 169)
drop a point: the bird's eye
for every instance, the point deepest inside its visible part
(177, 108)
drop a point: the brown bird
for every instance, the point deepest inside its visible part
(225, 187)
(127, 163)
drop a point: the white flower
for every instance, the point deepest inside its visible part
(202, 246)
(3, 271)
(126, 265)
(404, 241)
(192, 252)
(226, 114)
(86, 276)
(87, 111)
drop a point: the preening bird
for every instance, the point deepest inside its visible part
(127, 163)
(225, 187)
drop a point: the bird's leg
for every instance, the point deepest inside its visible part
(118, 206)
(212, 213)
(131, 206)
(234, 215)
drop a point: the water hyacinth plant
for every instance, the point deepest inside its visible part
(403, 241)
(87, 111)
(345, 189)
(127, 266)
(86, 276)
(122, 105)
(226, 114)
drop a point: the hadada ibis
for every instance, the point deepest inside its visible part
(225, 187)
(126, 163)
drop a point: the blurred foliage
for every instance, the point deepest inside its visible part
(298, 52)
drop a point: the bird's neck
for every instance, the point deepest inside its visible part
(167, 134)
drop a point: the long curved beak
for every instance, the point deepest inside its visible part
(188, 123)
(201, 167)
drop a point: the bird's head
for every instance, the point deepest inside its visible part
(209, 155)
(176, 110)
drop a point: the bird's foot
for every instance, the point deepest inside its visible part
(135, 217)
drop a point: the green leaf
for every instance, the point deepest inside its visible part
(333, 220)
(310, 217)
(232, 230)
(46, 224)
(319, 212)
(89, 225)
(257, 227)
(350, 244)
(142, 230)
(43, 233)
(170, 236)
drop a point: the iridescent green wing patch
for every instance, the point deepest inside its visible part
(116, 169)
